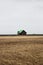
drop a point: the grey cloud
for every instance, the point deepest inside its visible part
(15, 15)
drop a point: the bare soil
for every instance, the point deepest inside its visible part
(21, 50)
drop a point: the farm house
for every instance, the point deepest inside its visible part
(21, 32)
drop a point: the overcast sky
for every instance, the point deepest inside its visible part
(21, 14)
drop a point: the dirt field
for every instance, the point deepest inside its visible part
(21, 50)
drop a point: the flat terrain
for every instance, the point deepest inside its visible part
(21, 50)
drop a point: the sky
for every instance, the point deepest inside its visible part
(21, 14)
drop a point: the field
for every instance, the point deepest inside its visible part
(21, 50)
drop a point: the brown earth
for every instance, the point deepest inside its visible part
(21, 50)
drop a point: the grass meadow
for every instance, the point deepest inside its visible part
(21, 50)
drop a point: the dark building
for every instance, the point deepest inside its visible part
(21, 32)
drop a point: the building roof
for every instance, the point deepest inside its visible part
(20, 31)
